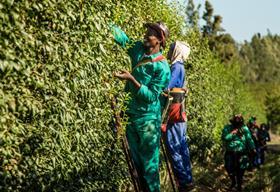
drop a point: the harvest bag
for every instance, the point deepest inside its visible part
(177, 111)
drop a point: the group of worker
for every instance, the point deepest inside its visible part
(151, 83)
(245, 147)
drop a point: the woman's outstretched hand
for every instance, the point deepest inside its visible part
(124, 75)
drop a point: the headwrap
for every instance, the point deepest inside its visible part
(252, 120)
(162, 31)
(181, 52)
(237, 120)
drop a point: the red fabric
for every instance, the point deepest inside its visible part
(158, 58)
(163, 127)
(176, 113)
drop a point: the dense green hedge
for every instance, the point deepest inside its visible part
(56, 64)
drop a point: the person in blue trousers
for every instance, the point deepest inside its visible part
(175, 135)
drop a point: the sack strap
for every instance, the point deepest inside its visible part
(165, 112)
(145, 61)
(158, 58)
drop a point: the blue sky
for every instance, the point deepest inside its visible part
(243, 18)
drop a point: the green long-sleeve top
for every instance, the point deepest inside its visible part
(153, 77)
(236, 143)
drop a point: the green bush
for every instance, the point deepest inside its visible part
(56, 64)
(54, 106)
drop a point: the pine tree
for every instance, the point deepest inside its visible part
(208, 17)
(192, 13)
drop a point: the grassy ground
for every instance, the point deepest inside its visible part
(267, 178)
